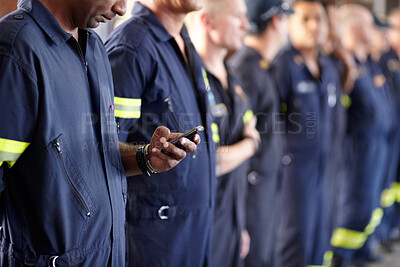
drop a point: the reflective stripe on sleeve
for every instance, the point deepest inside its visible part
(345, 100)
(127, 108)
(11, 150)
(248, 116)
(396, 190)
(346, 238)
(215, 133)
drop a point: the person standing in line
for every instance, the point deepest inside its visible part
(306, 80)
(159, 80)
(253, 63)
(391, 65)
(215, 30)
(63, 190)
(360, 206)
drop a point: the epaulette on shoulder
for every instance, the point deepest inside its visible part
(10, 25)
(134, 32)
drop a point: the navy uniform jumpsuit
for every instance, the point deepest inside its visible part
(387, 150)
(390, 64)
(367, 136)
(265, 166)
(384, 72)
(64, 186)
(303, 236)
(231, 111)
(337, 161)
(169, 215)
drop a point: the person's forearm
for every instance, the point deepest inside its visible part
(128, 157)
(230, 157)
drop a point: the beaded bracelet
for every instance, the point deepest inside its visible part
(141, 162)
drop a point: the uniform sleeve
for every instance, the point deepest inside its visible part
(130, 80)
(18, 111)
(280, 74)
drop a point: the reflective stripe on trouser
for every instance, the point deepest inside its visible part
(11, 150)
(351, 239)
(127, 108)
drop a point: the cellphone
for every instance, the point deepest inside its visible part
(189, 135)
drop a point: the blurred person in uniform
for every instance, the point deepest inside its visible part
(390, 64)
(390, 145)
(367, 124)
(344, 64)
(63, 190)
(306, 80)
(304, 93)
(253, 63)
(158, 79)
(218, 28)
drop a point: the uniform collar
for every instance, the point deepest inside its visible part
(45, 20)
(155, 25)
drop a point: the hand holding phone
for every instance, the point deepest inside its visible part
(189, 135)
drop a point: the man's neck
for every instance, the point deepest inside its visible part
(264, 44)
(397, 51)
(59, 11)
(212, 56)
(172, 21)
(361, 53)
(309, 54)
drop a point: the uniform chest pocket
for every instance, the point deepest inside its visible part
(70, 178)
(306, 97)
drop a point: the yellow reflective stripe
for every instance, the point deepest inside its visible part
(375, 221)
(388, 197)
(315, 265)
(127, 108)
(328, 255)
(396, 190)
(350, 239)
(345, 100)
(346, 238)
(127, 114)
(134, 102)
(248, 116)
(11, 150)
(205, 78)
(215, 132)
(283, 107)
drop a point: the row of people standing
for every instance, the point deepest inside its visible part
(187, 216)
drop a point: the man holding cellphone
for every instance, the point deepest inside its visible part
(159, 80)
(61, 175)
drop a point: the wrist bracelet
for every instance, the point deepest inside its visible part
(147, 160)
(141, 161)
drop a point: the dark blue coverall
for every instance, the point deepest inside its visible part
(64, 190)
(390, 65)
(303, 237)
(169, 215)
(367, 133)
(265, 166)
(388, 152)
(230, 110)
(337, 161)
